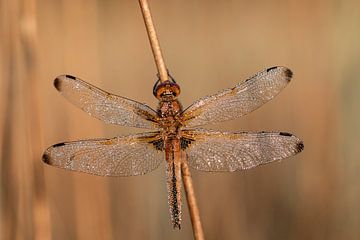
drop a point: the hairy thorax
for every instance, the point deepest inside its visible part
(169, 117)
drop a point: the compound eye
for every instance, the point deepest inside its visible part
(160, 91)
(175, 89)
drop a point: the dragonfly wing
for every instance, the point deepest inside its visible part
(105, 106)
(225, 151)
(120, 156)
(235, 102)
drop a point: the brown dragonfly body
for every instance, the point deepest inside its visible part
(169, 118)
(175, 137)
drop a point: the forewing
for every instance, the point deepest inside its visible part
(225, 151)
(235, 102)
(121, 156)
(105, 106)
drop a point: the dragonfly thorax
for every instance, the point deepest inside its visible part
(169, 115)
(170, 108)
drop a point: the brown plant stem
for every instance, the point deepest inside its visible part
(28, 37)
(191, 199)
(154, 42)
(186, 176)
(9, 200)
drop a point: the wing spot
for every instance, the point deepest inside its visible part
(269, 69)
(158, 144)
(185, 142)
(59, 145)
(285, 134)
(71, 77)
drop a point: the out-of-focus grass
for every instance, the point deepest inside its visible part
(208, 46)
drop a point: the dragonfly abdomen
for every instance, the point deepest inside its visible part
(173, 181)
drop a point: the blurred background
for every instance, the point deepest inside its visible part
(208, 46)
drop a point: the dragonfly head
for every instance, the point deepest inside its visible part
(167, 90)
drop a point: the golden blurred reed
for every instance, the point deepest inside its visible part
(208, 45)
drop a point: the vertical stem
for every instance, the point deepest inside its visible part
(154, 42)
(191, 199)
(28, 37)
(9, 199)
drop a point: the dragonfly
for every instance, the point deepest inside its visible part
(175, 135)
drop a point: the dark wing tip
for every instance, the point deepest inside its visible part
(57, 83)
(46, 158)
(288, 73)
(300, 146)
